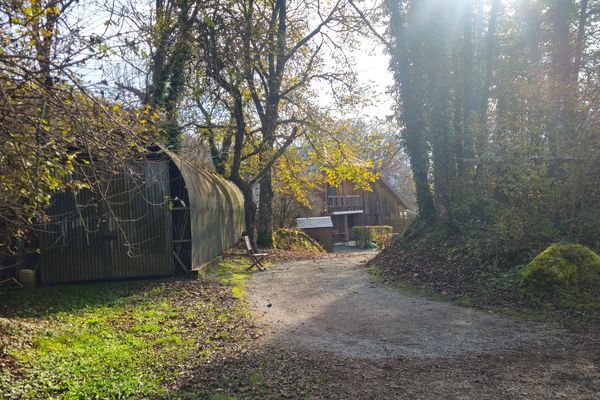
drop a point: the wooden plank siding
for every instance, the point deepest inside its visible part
(350, 206)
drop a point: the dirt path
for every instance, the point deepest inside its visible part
(369, 341)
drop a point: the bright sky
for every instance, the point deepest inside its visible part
(372, 66)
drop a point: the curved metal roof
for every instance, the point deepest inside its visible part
(216, 211)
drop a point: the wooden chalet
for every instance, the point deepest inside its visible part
(349, 206)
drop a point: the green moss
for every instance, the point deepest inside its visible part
(562, 265)
(562, 275)
(464, 301)
(295, 240)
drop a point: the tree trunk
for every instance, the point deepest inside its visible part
(560, 132)
(439, 100)
(265, 212)
(249, 209)
(490, 51)
(469, 104)
(412, 111)
(270, 117)
(580, 41)
(482, 138)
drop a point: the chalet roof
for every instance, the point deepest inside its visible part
(395, 193)
(315, 222)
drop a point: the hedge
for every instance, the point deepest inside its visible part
(378, 234)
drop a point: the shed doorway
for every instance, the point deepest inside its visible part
(180, 221)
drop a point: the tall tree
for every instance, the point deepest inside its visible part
(406, 72)
(438, 96)
(580, 39)
(154, 44)
(284, 71)
(560, 133)
(465, 97)
(489, 51)
(268, 65)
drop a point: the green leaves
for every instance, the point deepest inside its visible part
(207, 20)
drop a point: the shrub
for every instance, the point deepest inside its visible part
(380, 235)
(295, 240)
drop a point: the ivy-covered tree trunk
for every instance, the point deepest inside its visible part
(438, 77)
(173, 53)
(580, 39)
(489, 62)
(411, 104)
(561, 133)
(465, 92)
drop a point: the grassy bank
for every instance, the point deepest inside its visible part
(131, 339)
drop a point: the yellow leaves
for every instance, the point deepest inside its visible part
(53, 10)
(80, 185)
(246, 95)
(294, 177)
(45, 32)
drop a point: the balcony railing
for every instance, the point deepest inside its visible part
(347, 202)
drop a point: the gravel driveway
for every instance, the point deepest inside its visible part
(336, 334)
(332, 305)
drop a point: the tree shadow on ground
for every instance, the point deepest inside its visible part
(273, 372)
(275, 367)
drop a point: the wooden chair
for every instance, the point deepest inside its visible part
(256, 258)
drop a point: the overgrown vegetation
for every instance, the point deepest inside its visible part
(55, 129)
(119, 339)
(501, 130)
(295, 240)
(431, 267)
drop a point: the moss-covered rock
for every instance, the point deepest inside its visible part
(295, 240)
(562, 267)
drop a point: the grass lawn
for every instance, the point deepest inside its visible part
(128, 339)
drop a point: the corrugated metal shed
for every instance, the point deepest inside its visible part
(216, 211)
(315, 222)
(135, 227)
(123, 232)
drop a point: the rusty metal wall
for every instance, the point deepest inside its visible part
(216, 212)
(124, 233)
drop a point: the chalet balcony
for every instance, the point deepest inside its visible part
(344, 203)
